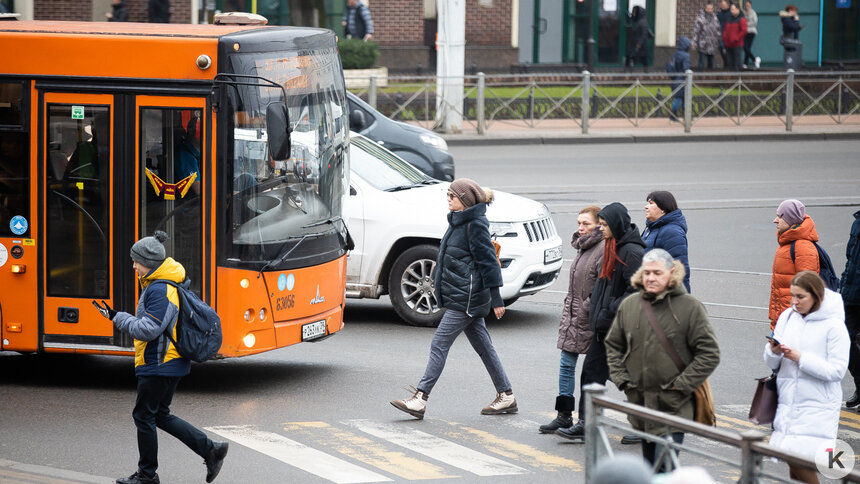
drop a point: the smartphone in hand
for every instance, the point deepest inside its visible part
(772, 340)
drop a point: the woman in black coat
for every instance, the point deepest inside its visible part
(640, 34)
(466, 282)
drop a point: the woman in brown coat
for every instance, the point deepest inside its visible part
(794, 227)
(574, 333)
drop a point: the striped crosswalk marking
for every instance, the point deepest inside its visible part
(437, 448)
(298, 455)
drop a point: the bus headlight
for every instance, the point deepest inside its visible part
(263, 314)
(244, 283)
(249, 315)
(250, 340)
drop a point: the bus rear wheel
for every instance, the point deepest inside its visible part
(410, 286)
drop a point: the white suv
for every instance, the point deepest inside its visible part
(397, 216)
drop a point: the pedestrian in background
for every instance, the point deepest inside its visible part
(679, 63)
(466, 280)
(640, 364)
(157, 364)
(666, 228)
(793, 227)
(734, 32)
(723, 16)
(752, 29)
(357, 21)
(640, 35)
(809, 353)
(622, 255)
(790, 22)
(850, 287)
(707, 35)
(159, 11)
(118, 13)
(574, 330)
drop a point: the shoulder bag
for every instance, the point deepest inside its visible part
(763, 407)
(703, 400)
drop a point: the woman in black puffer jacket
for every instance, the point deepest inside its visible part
(466, 281)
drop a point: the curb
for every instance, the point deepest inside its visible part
(542, 139)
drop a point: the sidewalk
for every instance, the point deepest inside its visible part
(619, 130)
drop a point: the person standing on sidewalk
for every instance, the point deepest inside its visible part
(793, 227)
(622, 256)
(679, 64)
(752, 23)
(850, 285)
(723, 16)
(466, 281)
(357, 22)
(574, 330)
(157, 364)
(734, 32)
(639, 362)
(707, 35)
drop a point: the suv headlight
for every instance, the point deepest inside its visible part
(503, 229)
(434, 141)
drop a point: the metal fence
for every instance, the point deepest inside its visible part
(752, 450)
(587, 99)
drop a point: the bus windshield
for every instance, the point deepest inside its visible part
(279, 209)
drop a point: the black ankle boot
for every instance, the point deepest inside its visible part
(577, 432)
(564, 405)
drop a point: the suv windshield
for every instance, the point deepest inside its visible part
(381, 168)
(278, 209)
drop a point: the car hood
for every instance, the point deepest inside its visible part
(506, 207)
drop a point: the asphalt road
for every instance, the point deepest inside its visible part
(320, 413)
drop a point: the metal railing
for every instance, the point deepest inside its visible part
(750, 443)
(586, 99)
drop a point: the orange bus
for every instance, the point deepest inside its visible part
(231, 138)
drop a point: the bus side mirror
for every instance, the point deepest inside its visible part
(356, 120)
(278, 131)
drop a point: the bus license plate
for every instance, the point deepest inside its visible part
(313, 330)
(552, 255)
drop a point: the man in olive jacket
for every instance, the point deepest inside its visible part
(640, 366)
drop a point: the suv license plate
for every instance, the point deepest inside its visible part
(313, 330)
(552, 255)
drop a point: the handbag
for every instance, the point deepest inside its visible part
(763, 407)
(703, 400)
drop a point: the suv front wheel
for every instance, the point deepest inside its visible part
(410, 286)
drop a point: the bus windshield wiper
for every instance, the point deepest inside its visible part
(281, 258)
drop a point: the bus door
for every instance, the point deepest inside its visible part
(78, 169)
(170, 174)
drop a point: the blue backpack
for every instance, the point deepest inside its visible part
(198, 331)
(825, 267)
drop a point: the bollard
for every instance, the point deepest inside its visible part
(789, 99)
(480, 103)
(592, 440)
(586, 93)
(688, 101)
(532, 103)
(749, 461)
(371, 92)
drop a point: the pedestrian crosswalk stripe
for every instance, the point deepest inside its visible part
(515, 450)
(298, 455)
(368, 451)
(437, 448)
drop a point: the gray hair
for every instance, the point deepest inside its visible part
(659, 255)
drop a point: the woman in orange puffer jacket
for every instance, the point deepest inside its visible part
(792, 225)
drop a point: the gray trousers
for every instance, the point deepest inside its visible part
(453, 323)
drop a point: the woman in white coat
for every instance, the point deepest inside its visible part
(810, 355)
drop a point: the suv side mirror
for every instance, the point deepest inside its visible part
(356, 120)
(278, 130)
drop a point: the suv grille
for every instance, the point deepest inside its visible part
(539, 230)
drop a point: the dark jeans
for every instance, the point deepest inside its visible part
(733, 57)
(749, 57)
(152, 409)
(852, 322)
(702, 58)
(594, 369)
(650, 450)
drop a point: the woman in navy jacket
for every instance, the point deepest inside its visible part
(466, 283)
(666, 228)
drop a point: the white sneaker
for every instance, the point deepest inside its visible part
(757, 62)
(414, 405)
(504, 403)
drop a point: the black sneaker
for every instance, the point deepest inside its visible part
(138, 478)
(215, 460)
(562, 421)
(631, 439)
(577, 432)
(853, 401)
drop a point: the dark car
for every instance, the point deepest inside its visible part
(421, 147)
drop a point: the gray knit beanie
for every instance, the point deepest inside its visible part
(468, 191)
(792, 211)
(149, 251)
